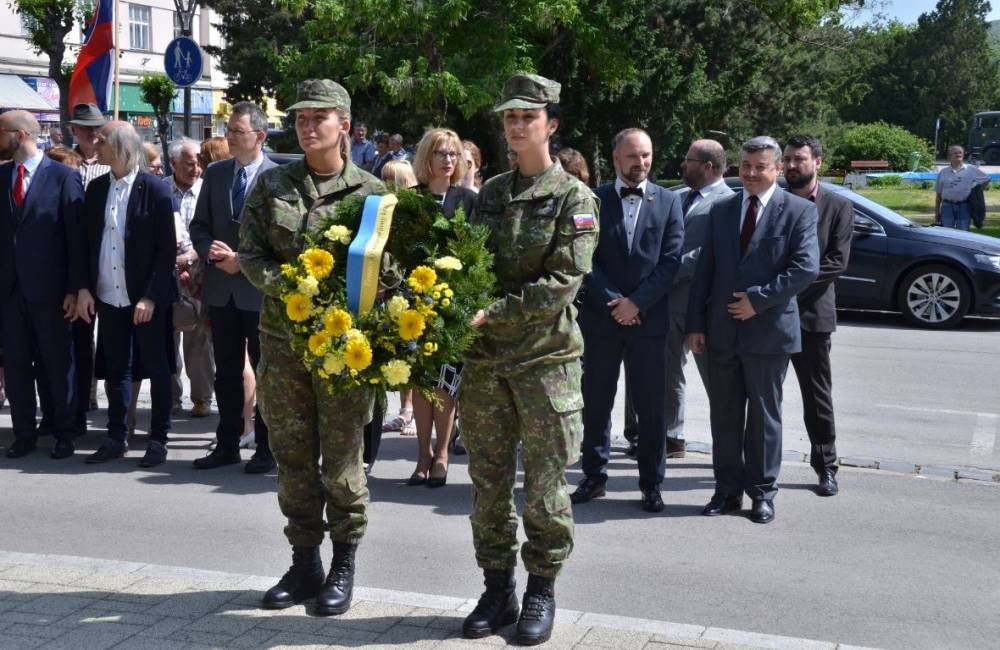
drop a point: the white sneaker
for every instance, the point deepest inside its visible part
(248, 440)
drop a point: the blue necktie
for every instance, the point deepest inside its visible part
(239, 192)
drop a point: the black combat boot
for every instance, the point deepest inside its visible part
(335, 597)
(538, 611)
(302, 581)
(497, 606)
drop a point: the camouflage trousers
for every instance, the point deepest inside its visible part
(316, 440)
(540, 408)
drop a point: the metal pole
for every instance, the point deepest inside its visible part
(937, 127)
(118, 35)
(187, 111)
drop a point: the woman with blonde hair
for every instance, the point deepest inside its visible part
(440, 167)
(398, 174)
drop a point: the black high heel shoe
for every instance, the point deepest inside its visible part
(437, 481)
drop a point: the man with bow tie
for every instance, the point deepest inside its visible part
(625, 317)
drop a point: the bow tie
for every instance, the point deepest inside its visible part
(624, 192)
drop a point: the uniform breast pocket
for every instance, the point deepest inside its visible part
(538, 225)
(284, 231)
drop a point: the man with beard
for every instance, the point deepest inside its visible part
(625, 315)
(817, 304)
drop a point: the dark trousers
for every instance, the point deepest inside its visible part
(745, 401)
(37, 339)
(645, 359)
(120, 339)
(83, 355)
(812, 367)
(373, 434)
(234, 335)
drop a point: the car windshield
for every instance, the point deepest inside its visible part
(872, 206)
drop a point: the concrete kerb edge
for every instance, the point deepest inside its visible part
(447, 603)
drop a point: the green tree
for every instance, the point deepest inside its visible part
(158, 91)
(881, 141)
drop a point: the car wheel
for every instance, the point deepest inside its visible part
(935, 296)
(992, 156)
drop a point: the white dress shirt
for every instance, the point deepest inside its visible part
(699, 195)
(252, 170)
(111, 289)
(631, 207)
(186, 199)
(30, 165)
(762, 198)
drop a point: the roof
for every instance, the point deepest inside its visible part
(14, 93)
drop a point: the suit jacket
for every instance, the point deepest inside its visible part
(695, 226)
(213, 220)
(40, 243)
(150, 238)
(818, 303)
(643, 274)
(781, 260)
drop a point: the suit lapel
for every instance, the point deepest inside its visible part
(230, 177)
(772, 212)
(615, 217)
(138, 188)
(646, 206)
(5, 171)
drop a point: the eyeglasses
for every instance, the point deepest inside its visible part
(446, 155)
(239, 133)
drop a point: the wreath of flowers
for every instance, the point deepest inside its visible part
(444, 276)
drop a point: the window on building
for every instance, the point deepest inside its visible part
(138, 27)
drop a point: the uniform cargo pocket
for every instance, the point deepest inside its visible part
(562, 385)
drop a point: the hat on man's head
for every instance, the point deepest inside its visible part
(528, 91)
(87, 115)
(321, 93)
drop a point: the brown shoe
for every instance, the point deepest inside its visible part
(676, 448)
(202, 410)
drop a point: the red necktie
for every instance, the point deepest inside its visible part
(19, 186)
(749, 224)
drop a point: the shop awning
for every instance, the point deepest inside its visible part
(14, 93)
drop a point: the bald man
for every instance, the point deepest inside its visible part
(41, 269)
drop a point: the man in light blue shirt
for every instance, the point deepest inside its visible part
(362, 149)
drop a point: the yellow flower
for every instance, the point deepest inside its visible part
(397, 305)
(445, 302)
(318, 262)
(448, 293)
(309, 286)
(436, 295)
(396, 372)
(358, 354)
(448, 263)
(319, 343)
(333, 364)
(288, 271)
(411, 325)
(338, 233)
(337, 321)
(422, 279)
(430, 348)
(297, 307)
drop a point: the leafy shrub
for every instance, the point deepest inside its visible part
(881, 141)
(885, 181)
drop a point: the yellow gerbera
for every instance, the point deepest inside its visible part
(357, 354)
(422, 279)
(318, 262)
(337, 321)
(411, 325)
(396, 372)
(319, 343)
(297, 307)
(448, 263)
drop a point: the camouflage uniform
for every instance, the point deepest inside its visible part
(316, 438)
(522, 376)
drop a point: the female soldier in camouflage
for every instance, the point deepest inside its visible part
(522, 376)
(316, 438)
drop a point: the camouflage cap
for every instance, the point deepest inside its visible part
(321, 93)
(528, 91)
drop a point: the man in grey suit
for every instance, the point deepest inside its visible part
(760, 251)
(233, 303)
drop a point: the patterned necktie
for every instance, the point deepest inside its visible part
(19, 186)
(749, 225)
(689, 200)
(239, 192)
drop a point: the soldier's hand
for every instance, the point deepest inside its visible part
(696, 342)
(479, 319)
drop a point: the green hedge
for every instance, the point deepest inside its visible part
(881, 141)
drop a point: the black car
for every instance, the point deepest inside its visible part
(934, 276)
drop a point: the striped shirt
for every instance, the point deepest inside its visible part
(90, 169)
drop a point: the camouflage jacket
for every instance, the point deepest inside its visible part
(282, 207)
(543, 241)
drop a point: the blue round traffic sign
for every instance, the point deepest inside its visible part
(183, 61)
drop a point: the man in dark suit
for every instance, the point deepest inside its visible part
(41, 268)
(759, 253)
(131, 286)
(233, 303)
(625, 315)
(817, 305)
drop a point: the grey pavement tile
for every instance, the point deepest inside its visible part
(860, 461)
(684, 642)
(407, 598)
(255, 638)
(656, 645)
(844, 646)
(608, 638)
(149, 643)
(41, 631)
(202, 637)
(934, 470)
(57, 604)
(164, 586)
(737, 646)
(423, 616)
(200, 578)
(291, 641)
(192, 605)
(563, 635)
(792, 456)
(16, 588)
(764, 640)
(100, 614)
(978, 474)
(165, 627)
(16, 642)
(641, 625)
(347, 637)
(37, 618)
(300, 624)
(107, 581)
(449, 622)
(128, 602)
(99, 638)
(249, 598)
(372, 616)
(11, 604)
(412, 636)
(223, 623)
(897, 466)
(45, 574)
(458, 643)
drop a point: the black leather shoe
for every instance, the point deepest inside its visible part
(762, 511)
(587, 489)
(302, 581)
(676, 448)
(156, 454)
(335, 596)
(21, 447)
(62, 449)
(496, 607)
(652, 501)
(827, 483)
(721, 504)
(218, 458)
(633, 449)
(538, 611)
(109, 450)
(260, 464)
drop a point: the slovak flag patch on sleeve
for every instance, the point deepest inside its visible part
(584, 221)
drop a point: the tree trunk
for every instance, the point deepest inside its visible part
(56, 73)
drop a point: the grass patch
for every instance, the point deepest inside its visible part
(918, 204)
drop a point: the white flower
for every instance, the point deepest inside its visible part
(448, 263)
(309, 286)
(338, 233)
(397, 305)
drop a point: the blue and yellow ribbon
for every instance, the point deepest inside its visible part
(364, 256)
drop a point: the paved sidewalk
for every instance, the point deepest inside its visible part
(55, 601)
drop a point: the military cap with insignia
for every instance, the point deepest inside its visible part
(321, 93)
(528, 91)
